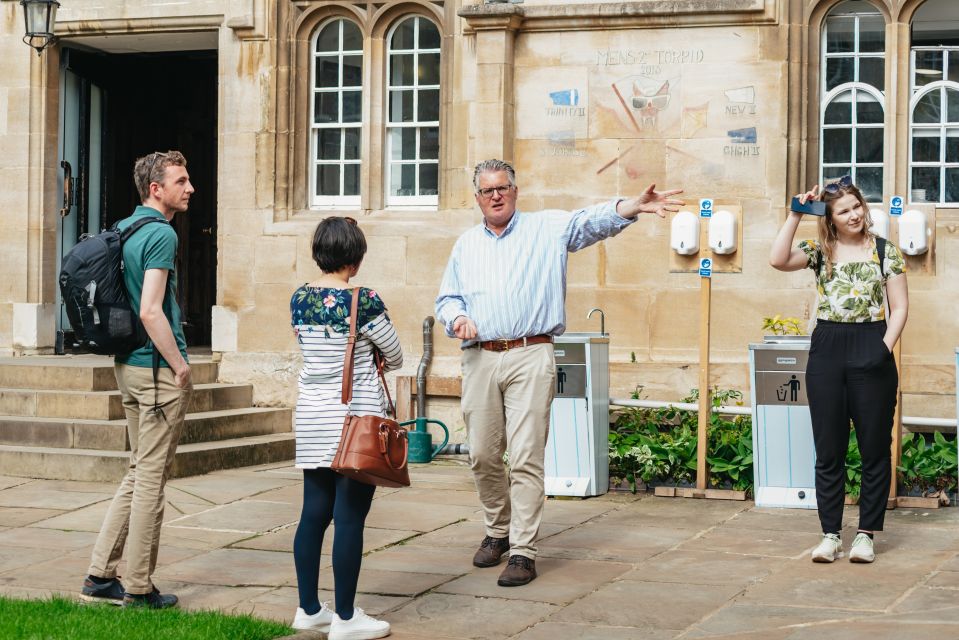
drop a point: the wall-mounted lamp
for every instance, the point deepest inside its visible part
(39, 16)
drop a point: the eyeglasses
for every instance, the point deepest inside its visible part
(487, 192)
(842, 183)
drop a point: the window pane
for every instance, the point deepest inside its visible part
(837, 145)
(403, 36)
(869, 181)
(925, 145)
(952, 145)
(351, 144)
(352, 71)
(928, 109)
(428, 179)
(329, 38)
(429, 72)
(868, 109)
(834, 173)
(869, 145)
(326, 107)
(954, 66)
(351, 180)
(403, 143)
(430, 143)
(403, 180)
(928, 67)
(872, 34)
(840, 34)
(352, 106)
(328, 180)
(401, 70)
(429, 105)
(401, 106)
(429, 35)
(871, 72)
(952, 185)
(952, 104)
(327, 71)
(838, 71)
(352, 38)
(328, 147)
(925, 184)
(839, 111)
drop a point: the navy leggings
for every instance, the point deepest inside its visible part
(328, 496)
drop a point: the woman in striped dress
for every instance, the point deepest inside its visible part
(320, 316)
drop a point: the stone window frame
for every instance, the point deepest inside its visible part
(292, 193)
(943, 127)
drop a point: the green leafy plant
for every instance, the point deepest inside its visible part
(853, 467)
(929, 466)
(781, 326)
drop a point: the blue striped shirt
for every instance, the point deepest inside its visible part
(514, 285)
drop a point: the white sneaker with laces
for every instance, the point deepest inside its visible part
(319, 621)
(359, 627)
(862, 549)
(829, 549)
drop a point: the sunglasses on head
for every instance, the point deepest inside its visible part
(834, 187)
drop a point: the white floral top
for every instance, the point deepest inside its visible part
(854, 292)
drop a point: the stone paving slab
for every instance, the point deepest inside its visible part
(90, 518)
(569, 631)
(397, 514)
(758, 542)
(743, 618)
(695, 566)
(35, 494)
(250, 515)
(600, 541)
(866, 630)
(439, 615)
(469, 534)
(10, 481)
(419, 559)
(23, 516)
(233, 567)
(280, 604)
(222, 488)
(282, 540)
(36, 538)
(389, 583)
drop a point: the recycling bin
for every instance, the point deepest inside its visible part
(784, 454)
(577, 449)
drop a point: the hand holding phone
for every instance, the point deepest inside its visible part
(812, 207)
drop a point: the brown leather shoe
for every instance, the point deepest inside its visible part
(490, 552)
(519, 570)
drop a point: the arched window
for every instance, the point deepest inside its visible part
(413, 113)
(336, 114)
(934, 104)
(852, 108)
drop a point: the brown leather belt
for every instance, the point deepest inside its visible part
(506, 345)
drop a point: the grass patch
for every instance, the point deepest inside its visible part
(62, 619)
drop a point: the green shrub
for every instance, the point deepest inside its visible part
(927, 466)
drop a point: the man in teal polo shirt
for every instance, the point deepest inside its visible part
(155, 410)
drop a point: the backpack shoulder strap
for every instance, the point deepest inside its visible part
(136, 226)
(819, 256)
(881, 251)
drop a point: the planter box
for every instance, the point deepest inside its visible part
(709, 494)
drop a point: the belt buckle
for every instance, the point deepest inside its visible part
(505, 344)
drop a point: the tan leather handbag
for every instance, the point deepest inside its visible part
(373, 449)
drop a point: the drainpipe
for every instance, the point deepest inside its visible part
(421, 371)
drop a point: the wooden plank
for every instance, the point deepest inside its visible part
(405, 405)
(446, 386)
(665, 492)
(705, 400)
(896, 447)
(918, 503)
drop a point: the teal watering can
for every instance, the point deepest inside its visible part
(421, 440)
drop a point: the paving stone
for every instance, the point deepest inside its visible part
(693, 566)
(244, 515)
(453, 616)
(35, 538)
(204, 597)
(281, 603)
(950, 565)
(927, 600)
(36, 495)
(929, 517)
(282, 540)
(199, 538)
(222, 488)
(930, 612)
(559, 581)
(179, 498)
(947, 579)
(740, 618)
(799, 520)
(419, 559)
(757, 542)
(390, 583)
(677, 513)
(568, 631)
(233, 567)
(62, 573)
(469, 534)
(10, 481)
(436, 496)
(885, 630)
(599, 541)
(655, 605)
(291, 494)
(91, 518)
(22, 516)
(12, 558)
(416, 516)
(898, 538)
(572, 512)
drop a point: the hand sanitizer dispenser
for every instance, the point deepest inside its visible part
(880, 222)
(684, 233)
(913, 233)
(722, 232)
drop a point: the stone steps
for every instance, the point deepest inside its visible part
(78, 373)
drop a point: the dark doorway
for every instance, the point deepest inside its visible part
(156, 102)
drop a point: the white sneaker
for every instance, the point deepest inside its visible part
(359, 627)
(862, 549)
(319, 621)
(829, 549)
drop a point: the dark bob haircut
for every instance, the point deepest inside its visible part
(338, 243)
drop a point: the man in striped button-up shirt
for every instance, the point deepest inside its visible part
(503, 295)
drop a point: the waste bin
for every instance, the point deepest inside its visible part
(577, 450)
(784, 455)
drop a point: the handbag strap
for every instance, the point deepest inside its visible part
(346, 392)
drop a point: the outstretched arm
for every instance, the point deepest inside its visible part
(650, 201)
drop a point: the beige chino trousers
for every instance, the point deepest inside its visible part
(506, 402)
(136, 513)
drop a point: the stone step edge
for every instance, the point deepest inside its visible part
(201, 386)
(183, 448)
(199, 415)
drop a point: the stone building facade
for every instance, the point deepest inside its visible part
(291, 110)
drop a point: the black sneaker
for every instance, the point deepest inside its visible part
(110, 592)
(153, 600)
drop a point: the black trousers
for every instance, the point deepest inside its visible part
(851, 375)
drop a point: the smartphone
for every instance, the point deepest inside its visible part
(812, 207)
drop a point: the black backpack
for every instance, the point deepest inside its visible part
(95, 296)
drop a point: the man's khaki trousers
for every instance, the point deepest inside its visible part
(136, 513)
(506, 402)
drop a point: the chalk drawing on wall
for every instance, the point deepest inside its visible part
(642, 100)
(741, 94)
(742, 136)
(615, 161)
(695, 119)
(565, 98)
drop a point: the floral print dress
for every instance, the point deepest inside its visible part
(854, 291)
(321, 320)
